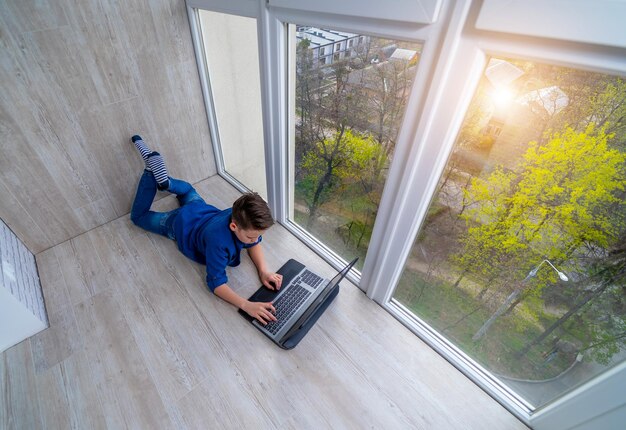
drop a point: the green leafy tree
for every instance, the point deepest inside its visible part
(334, 162)
(561, 198)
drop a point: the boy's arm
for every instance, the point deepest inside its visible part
(270, 279)
(264, 312)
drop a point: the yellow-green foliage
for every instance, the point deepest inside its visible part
(561, 196)
(337, 160)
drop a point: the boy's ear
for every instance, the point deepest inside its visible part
(233, 226)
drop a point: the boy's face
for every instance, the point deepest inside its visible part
(246, 236)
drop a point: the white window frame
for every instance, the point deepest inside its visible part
(438, 102)
(248, 10)
(418, 33)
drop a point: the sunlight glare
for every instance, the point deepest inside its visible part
(502, 96)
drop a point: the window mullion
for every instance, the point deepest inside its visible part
(439, 104)
(272, 49)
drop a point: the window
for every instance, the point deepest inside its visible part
(321, 51)
(521, 261)
(231, 51)
(324, 102)
(346, 122)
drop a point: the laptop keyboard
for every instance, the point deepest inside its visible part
(311, 278)
(286, 306)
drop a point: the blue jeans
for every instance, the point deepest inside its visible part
(159, 222)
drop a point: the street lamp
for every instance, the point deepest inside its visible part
(533, 272)
(513, 297)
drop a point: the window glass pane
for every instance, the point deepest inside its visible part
(521, 260)
(231, 48)
(350, 95)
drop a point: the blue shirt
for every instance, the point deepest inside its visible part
(203, 234)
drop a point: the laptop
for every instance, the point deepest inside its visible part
(300, 301)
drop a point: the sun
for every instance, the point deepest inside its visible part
(502, 96)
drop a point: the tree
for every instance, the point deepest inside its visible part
(370, 100)
(593, 99)
(601, 306)
(390, 83)
(333, 162)
(309, 127)
(560, 198)
(381, 93)
(496, 239)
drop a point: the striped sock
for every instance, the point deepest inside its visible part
(141, 147)
(156, 164)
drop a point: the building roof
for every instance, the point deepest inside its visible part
(403, 54)
(320, 37)
(370, 77)
(501, 72)
(552, 99)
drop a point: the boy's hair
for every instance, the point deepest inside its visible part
(250, 212)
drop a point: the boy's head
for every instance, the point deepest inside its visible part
(250, 218)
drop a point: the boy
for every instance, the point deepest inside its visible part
(206, 234)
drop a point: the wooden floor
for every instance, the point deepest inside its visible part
(137, 341)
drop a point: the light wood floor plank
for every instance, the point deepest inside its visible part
(19, 404)
(127, 392)
(225, 396)
(56, 343)
(162, 317)
(31, 15)
(82, 268)
(68, 397)
(52, 281)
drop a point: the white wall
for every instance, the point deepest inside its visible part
(22, 310)
(231, 47)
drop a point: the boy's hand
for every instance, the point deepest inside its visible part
(271, 280)
(264, 312)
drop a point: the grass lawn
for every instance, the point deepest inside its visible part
(458, 315)
(332, 224)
